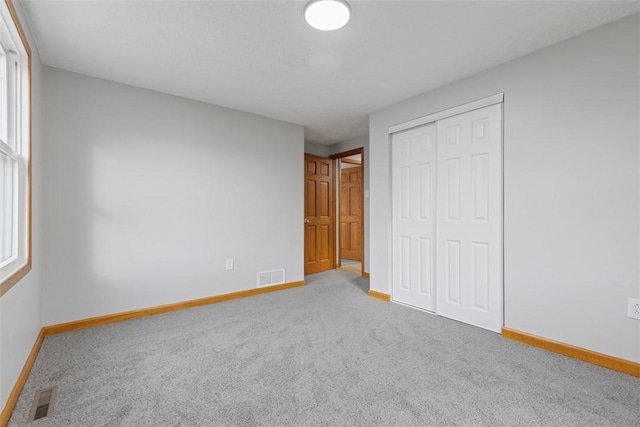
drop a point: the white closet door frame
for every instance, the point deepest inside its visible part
(432, 118)
(450, 112)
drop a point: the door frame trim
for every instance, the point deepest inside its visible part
(460, 109)
(335, 158)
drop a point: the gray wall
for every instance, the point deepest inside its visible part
(316, 149)
(20, 313)
(571, 186)
(147, 194)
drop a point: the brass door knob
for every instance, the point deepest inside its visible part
(306, 220)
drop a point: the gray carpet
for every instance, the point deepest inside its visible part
(323, 354)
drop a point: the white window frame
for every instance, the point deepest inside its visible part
(15, 143)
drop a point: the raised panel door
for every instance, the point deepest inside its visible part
(469, 225)
(413, 206)
(351, 213)
(319, 220)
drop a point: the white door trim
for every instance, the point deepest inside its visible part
(464, 108)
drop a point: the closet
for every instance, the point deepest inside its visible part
(447, 217)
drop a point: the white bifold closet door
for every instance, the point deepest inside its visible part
(414, 169)
(447, 217)
(469, 212)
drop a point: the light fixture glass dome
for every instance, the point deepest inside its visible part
(327, 15)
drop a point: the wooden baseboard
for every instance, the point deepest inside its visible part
(117, 317)
(366, 275)
(380, 296)
(600, 359)
(20, 382)
(5, 415)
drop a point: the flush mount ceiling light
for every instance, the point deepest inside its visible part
(327, 15)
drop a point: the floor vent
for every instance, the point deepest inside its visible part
(268, 278)
(43, 404)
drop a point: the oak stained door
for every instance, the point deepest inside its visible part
(319, 211)
(351, 213)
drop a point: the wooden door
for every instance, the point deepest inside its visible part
(351, 213)
(319, 211)
(413, 170)
(469, 212)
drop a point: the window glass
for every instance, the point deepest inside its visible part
(15, 187)
(7, 173)
(4, 98)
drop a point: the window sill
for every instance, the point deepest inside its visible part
(14, 278)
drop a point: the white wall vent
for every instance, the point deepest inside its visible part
(268, 278)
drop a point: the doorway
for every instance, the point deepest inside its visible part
(334, 212)
(349, 166)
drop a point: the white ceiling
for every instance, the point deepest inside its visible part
(261, 57)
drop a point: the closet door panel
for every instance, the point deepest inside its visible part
(469, 283)
(413, 205)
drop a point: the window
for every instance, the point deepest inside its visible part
(15, 137)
